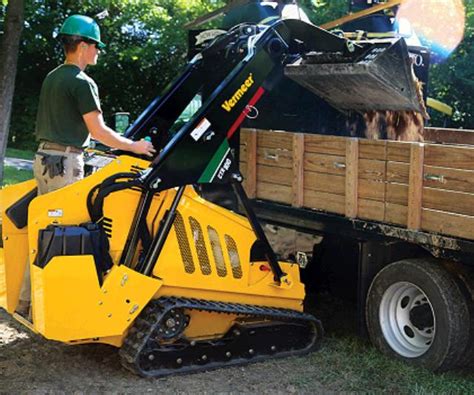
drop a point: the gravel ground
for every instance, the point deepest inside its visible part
(32, 364)
(345, 363)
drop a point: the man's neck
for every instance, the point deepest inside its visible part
(75, 60)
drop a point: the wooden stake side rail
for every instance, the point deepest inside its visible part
(419, 186)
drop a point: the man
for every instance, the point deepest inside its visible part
(69, 113)
(69, 109)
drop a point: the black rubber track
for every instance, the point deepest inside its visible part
(144, 333)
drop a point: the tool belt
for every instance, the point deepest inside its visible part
(59, 147)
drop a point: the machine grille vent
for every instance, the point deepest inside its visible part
(217, 251)
(183, 243)
(198, 238)
(136, 169)
(107, 226)
(233, 256)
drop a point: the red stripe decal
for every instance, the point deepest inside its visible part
(240, 119)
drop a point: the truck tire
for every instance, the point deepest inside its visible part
(465, 280)
(416, 312)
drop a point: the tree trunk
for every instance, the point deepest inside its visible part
(9, 47)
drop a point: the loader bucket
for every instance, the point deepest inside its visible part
(379, 79)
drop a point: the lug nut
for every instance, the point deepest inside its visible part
(228, 354)
(204, 357)
(273, 348)
(193, 343)
(151, 357)
(179, 361)
(251, 352)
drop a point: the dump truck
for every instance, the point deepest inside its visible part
(387, 224)
(135, 257)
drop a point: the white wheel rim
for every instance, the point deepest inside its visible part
(407, 320)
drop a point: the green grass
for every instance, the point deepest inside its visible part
(20, 154)
(11, 174)
(14, 176)
(348, 363)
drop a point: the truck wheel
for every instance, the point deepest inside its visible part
(415, 311)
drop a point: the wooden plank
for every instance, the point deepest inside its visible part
(352, 177)
(370, 169)
(244, 136)
(332, 145)
(396, 214)
(372, 149)
(398, 151)
(450, 156)
(415, 186)
(251, 160)
(323, 163)
(398, 172)
(243, 167)
(244, 133)
(268, 175)
(243, 151)
(450, 179)
(449, 201)
(276, 157)
(373, 190)
(449, 136)
(275, 139)
(397, 193)
(298, 169)
(324, 201)
(321, 182)
(274, 192)
(448, 223)
(370, 209)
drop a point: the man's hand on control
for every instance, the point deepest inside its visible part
(100, 131)
(143, 147)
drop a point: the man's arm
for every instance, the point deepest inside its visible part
(101, 132)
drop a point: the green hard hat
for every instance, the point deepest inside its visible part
(83, 26)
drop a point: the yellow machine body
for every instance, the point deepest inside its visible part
(206, 256)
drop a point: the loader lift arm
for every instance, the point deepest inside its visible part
(233, 72)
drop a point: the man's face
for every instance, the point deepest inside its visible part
(91, 53)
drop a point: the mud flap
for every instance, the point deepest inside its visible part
(380, 79)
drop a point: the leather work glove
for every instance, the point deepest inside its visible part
(53, 165)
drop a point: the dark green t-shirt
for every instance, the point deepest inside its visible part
(66, 95)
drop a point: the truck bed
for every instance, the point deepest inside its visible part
(412, 191)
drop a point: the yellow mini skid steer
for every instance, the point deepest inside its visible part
(134, 257)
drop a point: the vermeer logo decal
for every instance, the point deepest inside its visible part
(228, 105)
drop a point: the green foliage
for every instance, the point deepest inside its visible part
(453, 80)
(321, 11)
